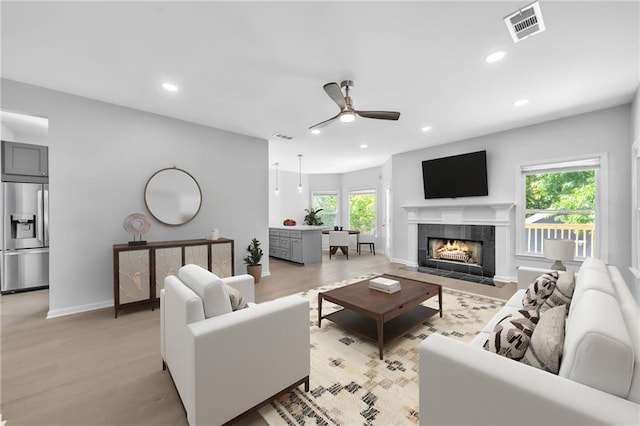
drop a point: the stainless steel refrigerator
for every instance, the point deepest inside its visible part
(25, 250)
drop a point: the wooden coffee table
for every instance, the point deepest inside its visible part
(380, 316)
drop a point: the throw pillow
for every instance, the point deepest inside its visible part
(545, 349)
(562, 292)
(539, 290)
(236, 298)
(511, 335)
(209, 287)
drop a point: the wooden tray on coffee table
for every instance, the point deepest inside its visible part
(380, 316)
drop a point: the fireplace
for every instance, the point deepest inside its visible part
(464, 251)
(468, 249)
(487, 221)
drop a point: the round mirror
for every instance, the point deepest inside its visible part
(172, 196)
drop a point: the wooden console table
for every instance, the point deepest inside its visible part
(139, 270)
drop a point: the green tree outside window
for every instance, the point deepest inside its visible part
(362, 212)
(329, 205)
(561, 205)
(564, 191)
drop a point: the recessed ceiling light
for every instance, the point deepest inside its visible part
(495, 57)
(170, 87)
(426, 128)
(316, 131)
(364, 145)
(521, 102)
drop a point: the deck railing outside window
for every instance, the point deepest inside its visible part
(582, 234)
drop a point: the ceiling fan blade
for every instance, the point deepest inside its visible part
(324, 123)
(382, 115)
(335, 93)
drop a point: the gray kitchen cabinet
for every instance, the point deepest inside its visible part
(296, 250)
(299, 244)
(21, 159)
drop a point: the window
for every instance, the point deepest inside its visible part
(561, 200)
(328, 202)
(362, 211)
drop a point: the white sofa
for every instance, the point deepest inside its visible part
(599, 377)
(226, 366)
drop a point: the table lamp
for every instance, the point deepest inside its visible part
(559, 250)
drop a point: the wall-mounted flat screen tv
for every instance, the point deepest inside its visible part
(463, 175)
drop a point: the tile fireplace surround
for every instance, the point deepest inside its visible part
(483, 236)
(498, 214)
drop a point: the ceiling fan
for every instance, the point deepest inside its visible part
(347, 114)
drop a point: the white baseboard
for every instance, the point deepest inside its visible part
(504, 280)
(54, 313)
(404, 262)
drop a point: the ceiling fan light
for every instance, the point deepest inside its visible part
(347, 117)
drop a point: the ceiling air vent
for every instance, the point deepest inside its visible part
(281, 136)
(525, 22)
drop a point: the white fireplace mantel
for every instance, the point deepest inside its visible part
(488, 213)
(497, 214)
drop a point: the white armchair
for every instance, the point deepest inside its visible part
(228, 365)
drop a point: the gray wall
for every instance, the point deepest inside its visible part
(100, 157)
(606, 130)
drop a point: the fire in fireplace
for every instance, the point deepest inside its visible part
(463, 251)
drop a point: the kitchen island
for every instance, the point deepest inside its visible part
(301, 243)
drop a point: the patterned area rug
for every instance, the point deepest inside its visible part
(350, 385)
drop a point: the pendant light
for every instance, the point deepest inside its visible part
(277, 191)
(300, 173)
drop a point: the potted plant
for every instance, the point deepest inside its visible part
(312, 217)
(252, 260)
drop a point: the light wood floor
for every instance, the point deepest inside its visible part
(92, 369)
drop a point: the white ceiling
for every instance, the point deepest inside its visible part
(258, 68)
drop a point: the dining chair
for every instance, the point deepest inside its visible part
(339, 240)
(367, 239)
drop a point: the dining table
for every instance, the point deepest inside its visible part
(350, 231)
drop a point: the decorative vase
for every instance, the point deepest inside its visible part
(335, 228)
(255, 271)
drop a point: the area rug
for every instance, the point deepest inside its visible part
(350, 385)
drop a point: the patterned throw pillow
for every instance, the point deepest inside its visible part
(547, 341)
(236, 298)
(562, 292)
(539, 290)
(511, 335)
